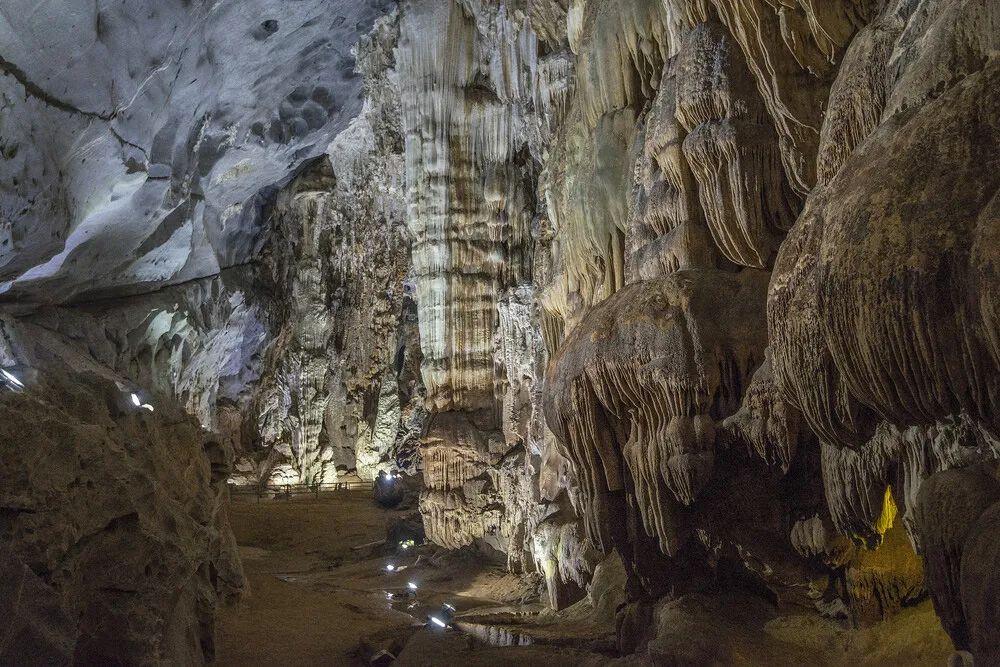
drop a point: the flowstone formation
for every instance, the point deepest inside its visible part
(339, 388)
(474, 136)
(329, 397)
(697, 359)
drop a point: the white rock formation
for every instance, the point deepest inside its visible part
(136, 136)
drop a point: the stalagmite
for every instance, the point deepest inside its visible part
(947, 508)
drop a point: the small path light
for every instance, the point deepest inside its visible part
(438, 622)
(11, 381)
(137, 402)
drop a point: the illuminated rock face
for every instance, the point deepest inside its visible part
(470, 192)
(196, 343)
(477, 109)
(734, 120)
(336, 264)
(671, 147)
(138, 135)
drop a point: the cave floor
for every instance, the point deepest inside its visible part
(317, 592)
(317, 595)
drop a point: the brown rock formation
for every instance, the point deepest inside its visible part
(117, 509)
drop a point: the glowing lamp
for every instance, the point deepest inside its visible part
(438, 622)
(11, 380)
(137, 402)
(412, 586)
(390, 567)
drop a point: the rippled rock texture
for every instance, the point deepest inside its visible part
(136, 137)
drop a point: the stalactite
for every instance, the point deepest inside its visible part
(767, 425)
(731, 148)
(792, 50)
(666, 227)
(648, 362)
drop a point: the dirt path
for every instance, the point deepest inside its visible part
(315, 598)
(296, 613)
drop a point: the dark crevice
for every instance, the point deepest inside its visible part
(39, 93)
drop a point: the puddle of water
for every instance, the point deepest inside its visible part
(495, 635)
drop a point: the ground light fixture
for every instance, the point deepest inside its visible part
(438, 622)
(137, 402)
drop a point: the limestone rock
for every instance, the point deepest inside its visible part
(643, 380)
(121, 511)
(37, 630)
(137, 136)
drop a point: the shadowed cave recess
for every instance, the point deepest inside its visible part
(677, 322)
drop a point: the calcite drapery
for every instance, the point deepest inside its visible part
(731, 148)
(460, 502)
(611, 177)
(642, 381)
(879, 313)
(469, 200)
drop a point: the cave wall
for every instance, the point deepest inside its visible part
(749, 288)
(136, 136)
(883, 264)
(113, 516)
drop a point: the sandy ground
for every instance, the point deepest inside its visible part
(320, 595)
(297, 610)
(315, 598)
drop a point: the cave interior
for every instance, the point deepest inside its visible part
(492, 332)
